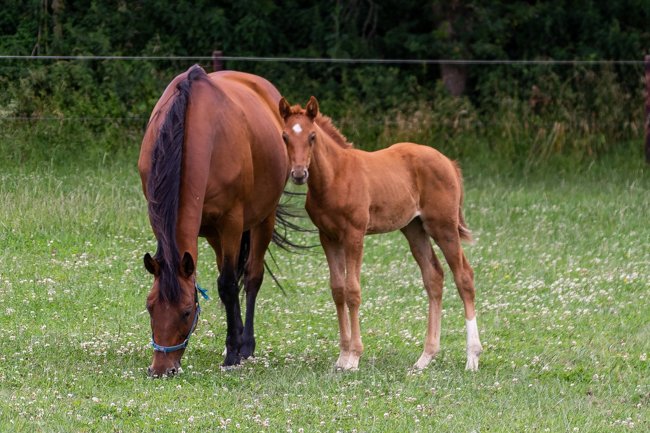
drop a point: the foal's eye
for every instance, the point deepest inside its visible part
(285, 137)
(312, 138)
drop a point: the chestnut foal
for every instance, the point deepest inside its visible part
(352, 193)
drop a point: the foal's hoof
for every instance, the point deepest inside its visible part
(472, 359)
(348, 364)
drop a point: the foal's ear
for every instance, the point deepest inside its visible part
(187, 265)
(285, 108)
(151, 265)
(312, 108)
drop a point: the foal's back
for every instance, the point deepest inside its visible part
(407, 180)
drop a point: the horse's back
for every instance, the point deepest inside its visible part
(250, 125)
(233, 135)
(252, 86)
(255, 101)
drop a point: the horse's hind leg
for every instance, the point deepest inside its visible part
(336, 262)
(432, 276)
(448, 239)
(253, 275)
(229, 241)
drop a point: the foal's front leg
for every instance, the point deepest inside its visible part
(336, 262)
(353, 259)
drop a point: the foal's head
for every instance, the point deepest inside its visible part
(299, 134)
(174, 309)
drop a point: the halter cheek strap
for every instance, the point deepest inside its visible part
(183, 345)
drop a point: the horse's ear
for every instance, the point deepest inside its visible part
(285, 108)
(151, 265)
(187, 265)
(312, 108)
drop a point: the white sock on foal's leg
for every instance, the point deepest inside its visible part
(474, 347)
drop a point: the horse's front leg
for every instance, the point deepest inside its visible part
(353, 259)
(336, 261)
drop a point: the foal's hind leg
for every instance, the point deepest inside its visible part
(448, 239)
(253, 275)
(432, 276)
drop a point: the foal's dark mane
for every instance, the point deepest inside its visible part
(163, 186)
(325, 123)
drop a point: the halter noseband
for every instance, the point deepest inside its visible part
(183, 345)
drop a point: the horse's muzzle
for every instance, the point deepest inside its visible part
(299, 175)
(169, 372)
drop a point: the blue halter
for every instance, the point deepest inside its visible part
(183, 345)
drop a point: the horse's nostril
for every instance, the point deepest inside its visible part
(171, 371)
(149, 371)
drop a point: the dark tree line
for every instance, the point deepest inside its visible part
(387, 29)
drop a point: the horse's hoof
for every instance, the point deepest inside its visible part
(230, 367)
(247, 350)
(232, 359)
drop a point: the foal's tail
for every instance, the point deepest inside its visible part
(464, 232)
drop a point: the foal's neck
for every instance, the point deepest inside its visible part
(327, 157)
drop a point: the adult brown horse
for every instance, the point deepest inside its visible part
(212, 164)
(351, 193)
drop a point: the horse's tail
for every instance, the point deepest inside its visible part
(464, 232)
(284, 214)
(163, 185)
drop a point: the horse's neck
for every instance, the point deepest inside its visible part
(195, 172)
(326, 158)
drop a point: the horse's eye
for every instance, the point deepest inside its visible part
(186, 314)
(312, 138)
(285, 137)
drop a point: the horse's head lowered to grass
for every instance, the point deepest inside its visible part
(172, 319)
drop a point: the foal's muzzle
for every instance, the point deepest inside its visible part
(299, 175)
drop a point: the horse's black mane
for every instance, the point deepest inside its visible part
(163, 186)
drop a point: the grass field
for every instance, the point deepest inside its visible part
(562, 265)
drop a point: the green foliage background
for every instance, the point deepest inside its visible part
(524, 113)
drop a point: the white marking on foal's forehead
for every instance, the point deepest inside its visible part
(297, 128)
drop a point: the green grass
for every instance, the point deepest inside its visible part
(562, 265)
